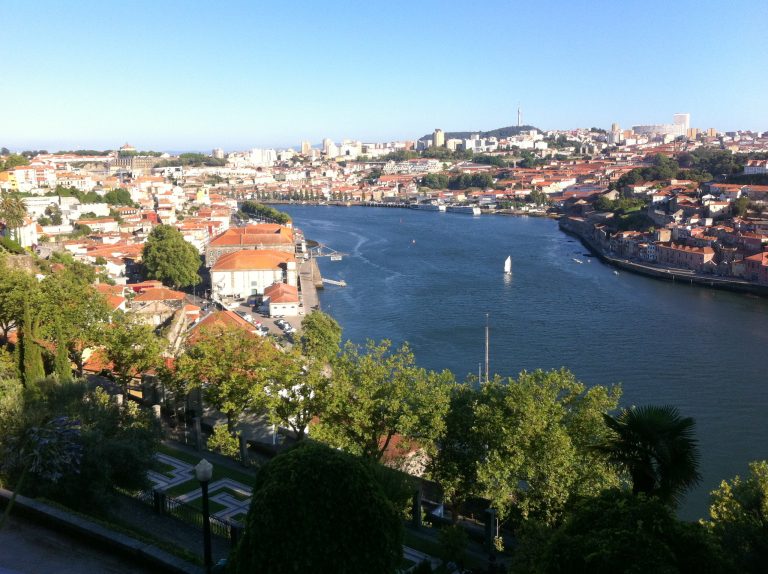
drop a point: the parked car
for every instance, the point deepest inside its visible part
(245, 316)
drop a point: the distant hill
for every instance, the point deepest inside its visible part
(500, 133)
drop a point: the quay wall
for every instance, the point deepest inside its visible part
(664, 274)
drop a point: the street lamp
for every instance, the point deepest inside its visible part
(203, 473)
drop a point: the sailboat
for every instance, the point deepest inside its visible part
(508, 265)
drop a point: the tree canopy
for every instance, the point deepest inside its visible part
(526, 444)
(618, 532)
(167, 256)
(115, 444)
(378, 393)
(232, 366)
(338, 520)
(320, 336)
(657, 448)
(265, 212)
(738, 517)
(131, 346)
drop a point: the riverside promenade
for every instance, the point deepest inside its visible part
(310, 280)
(676, 275)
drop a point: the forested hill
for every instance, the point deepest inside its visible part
(498, 132)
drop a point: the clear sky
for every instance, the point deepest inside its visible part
(194, 75)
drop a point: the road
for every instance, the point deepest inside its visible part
(30, 548)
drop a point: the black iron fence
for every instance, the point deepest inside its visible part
(186, 512)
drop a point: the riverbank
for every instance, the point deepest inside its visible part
(406, 205)
(684, 276)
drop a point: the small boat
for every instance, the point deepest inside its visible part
(336, 257)
(577, 260)
(615, 272)
(508, 265)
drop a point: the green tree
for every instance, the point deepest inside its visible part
(13, 160)
(168, 257)
(73, 309)
(295, 392)
(62, 366)
(16, 287)
(31, 352)
(657, 448)
(540, 431)
(738, 517)
(320, 336)
(377, 394)
(741, 205)
(618, 532)
(232, 365)
(118, 196)
(13, 211)
(435, 181)
(53, 212)
(339, 519)
(131, 346)
(116, 444)
(461, 450)
(539, 197)
(224, 442)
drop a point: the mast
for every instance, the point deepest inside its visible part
(486, 347)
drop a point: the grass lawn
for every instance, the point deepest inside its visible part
(218, 470)
(163, 468)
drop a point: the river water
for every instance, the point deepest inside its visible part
(429, 278)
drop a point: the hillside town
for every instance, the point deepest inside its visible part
(101, 206)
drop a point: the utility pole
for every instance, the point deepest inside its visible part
(486, 347)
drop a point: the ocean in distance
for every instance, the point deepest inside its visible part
(429, 278)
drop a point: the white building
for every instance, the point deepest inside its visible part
(263, 157)
(242, 274)
(282, 299)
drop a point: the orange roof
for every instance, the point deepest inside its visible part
(252, 259)
(114, 301)
(266, 233)
(159, 294)
(220, 319)
(281, 293)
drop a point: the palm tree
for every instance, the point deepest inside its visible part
(657, 447)
(13, 211)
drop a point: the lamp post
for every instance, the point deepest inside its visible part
(203, 473)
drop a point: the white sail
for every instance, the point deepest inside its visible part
(508, 265)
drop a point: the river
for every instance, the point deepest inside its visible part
(429, 278)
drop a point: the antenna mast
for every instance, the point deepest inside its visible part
(486, 347)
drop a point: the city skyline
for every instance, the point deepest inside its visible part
(169, 78)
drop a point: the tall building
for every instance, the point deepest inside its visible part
(615, 135)
(712, 133)
(217, 153)
(438, 139)
(683, 123)
(306, 148)
(262, 157)
(519, 117)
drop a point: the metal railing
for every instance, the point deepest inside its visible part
(164, 504)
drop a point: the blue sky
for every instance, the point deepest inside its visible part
(195, 75)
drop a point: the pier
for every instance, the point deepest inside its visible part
(340, 283)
